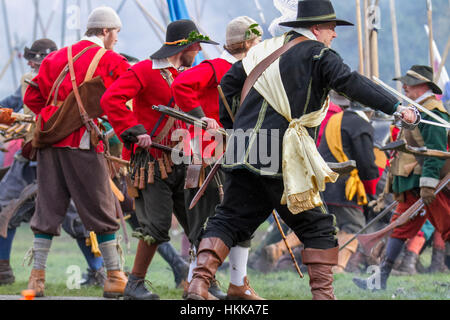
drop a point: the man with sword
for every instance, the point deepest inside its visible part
(284, 107)
(414, 178)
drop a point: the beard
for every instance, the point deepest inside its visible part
(187, 60)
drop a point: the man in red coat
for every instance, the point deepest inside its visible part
(73, 168)
(161, 192)
(196, 92)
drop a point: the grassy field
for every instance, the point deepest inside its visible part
(275, 286)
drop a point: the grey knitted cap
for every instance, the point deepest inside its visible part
(238, 30)
(104, 17)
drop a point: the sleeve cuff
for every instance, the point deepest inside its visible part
(395, 107)
(129, 136)
(429, 182)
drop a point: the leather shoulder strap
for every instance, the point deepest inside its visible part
(83, 113)
(264, 64)
(169, 123)
(62, 75)
(94, 64)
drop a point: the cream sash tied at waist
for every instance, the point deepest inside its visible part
(305, 173)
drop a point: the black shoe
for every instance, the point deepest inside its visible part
(136, 290)
(6, 273)
(385, 270)
(214, 289)
(180, 267)
(94, 278)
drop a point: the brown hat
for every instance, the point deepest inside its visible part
(418, 75)
(39, 50)
(241, 29)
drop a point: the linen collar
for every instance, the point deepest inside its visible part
(228, 57)
(426, 95)
(95, 40)
(306, 32)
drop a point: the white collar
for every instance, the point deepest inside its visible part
(228, 57)
(161, 64)
(95, 40)
(306, 32)
(426, 95)
(362, 114)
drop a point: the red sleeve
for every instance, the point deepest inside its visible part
(189, 83)
(34, 100)
(115, 98)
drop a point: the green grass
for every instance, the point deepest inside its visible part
(283, 285)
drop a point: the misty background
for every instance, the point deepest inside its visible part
(140, 39)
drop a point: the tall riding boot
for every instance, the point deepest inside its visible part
(180, 267)
(345, 253)
(211, 254)
(6, 273)
(135, 289)
(320, 263)
(274, 251)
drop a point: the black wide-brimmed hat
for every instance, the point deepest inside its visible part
(39, 50)
(180, 34)
(312, 12)
(418, 75)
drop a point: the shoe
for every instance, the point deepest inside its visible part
(36, 282)
(244, 292)
(94, 278)
(408, 264)
(136, 290)
(115, 284)
(215, 291)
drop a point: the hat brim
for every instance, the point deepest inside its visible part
(30, 55)
(411, 81)
(167, 51)
(305, 23)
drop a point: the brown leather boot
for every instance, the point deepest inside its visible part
(6, 273)
(115, 284)
(185, 292)
(319, 263)
(274, 251)
(244, 292)
(37, 282)
(346, 253)
(211, 254)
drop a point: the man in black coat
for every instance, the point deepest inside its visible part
(297, 86)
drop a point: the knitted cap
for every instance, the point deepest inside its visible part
(238, 30)
(104, 17)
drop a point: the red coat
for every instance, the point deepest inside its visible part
(197, 87)
(110, 67)
(146, 87)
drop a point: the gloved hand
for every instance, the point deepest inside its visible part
(427, 195)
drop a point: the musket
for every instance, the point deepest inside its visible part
(377, 218)
(444, 123)
(402, 146)
(185, 117)
(368, 241)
